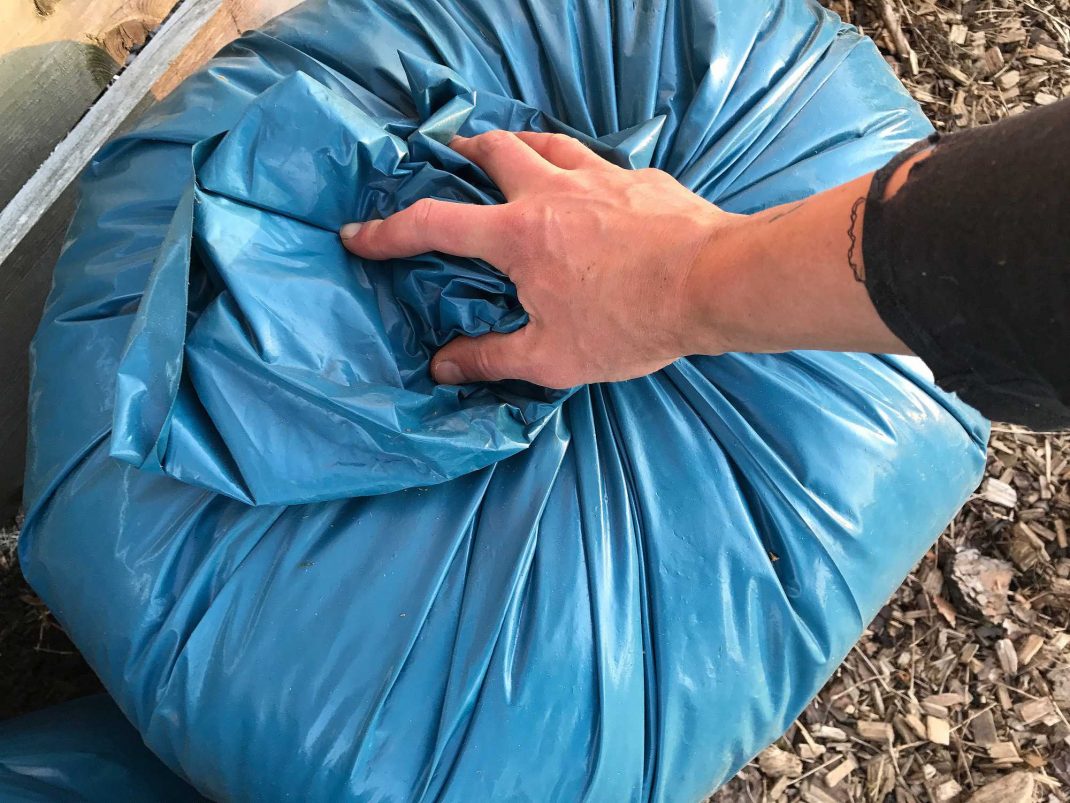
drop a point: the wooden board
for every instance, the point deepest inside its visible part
(116, 26)
(69, 50)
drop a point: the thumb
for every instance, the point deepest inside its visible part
(487, 358)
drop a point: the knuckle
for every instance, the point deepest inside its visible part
(544, 367)
(485, 363)
(531, 228)
(518, 220)
(492, 140)
(368, 237)
(569, 152)
(423, 212)
(560, 144)
(653, 174)
(550, 376)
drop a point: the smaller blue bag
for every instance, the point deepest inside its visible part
(83, 750)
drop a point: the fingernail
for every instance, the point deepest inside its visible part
(349, 230)
(447, 373)
(456, 139)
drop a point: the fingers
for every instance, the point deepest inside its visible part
(466, 230)
(488, 358)
(509, 162)
(563, 151)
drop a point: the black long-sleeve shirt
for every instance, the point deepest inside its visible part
(969, 264)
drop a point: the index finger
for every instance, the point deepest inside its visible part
(510, 162)
(564, 151)
(464, 230)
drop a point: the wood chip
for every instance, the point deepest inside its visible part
(1004, 698)
(810, 752)
(916, 725)
(815, 794)
(880, 778)
(1034, 761)
(1044, 99)
(934, 710)
(957, 75)
(1004, 751)
(948, 790)
(830, 733)
(778, 789)
(1011, 36)
(1026, 548)
(1047, 53)
(938, 730)
(777, 763)
(841, 771)
(1008, 658)
(1028, 649)
(957, 36)
(983, 729)
(992, 62)
(967, 654)
(1007, 80)
(992, 490)
(947, 700)
(981, 583)
(1035, 710)
(1018, 787)
(876, 732)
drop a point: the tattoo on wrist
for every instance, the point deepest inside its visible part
(857, 268)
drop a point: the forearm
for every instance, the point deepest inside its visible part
(959, 252)
(791, 277)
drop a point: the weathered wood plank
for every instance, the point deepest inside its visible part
(25, 275)
(56, 57)
(98, 124)
(117, 26)
(38, 112)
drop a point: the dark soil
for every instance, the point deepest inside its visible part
(38, 664)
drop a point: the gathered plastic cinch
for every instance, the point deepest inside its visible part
(252, 297)
(305, 571)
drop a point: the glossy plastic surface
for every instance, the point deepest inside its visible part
(307, 573)
(85, 751)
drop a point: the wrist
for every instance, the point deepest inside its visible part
(715, 317)
(784, 279)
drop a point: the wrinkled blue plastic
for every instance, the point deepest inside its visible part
(476, 593)
(84, 751)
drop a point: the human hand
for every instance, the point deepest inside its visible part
(600, 257)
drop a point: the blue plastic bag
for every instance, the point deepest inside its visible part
(307, 573)
(83, 751)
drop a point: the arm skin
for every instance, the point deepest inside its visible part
(622, 272)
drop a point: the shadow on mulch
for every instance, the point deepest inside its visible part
(38, 664)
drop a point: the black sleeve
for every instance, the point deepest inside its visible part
(969, 264)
